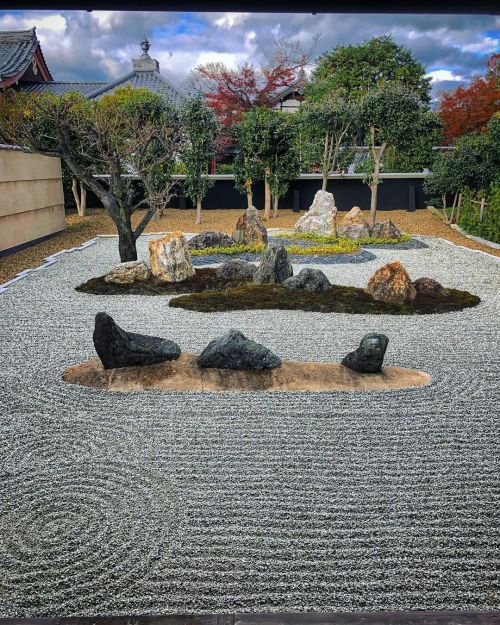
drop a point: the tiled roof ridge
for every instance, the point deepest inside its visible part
(18, 35)
(110, 85)
(23, 56)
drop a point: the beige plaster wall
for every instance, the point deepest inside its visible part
(31, 197)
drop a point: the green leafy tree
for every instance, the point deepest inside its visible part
(353, 70)
(103, 142)
(201, 128)
(266, 149)
(329, 129)
(393, 117)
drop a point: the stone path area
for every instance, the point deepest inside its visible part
(207, 502)
(81, 229)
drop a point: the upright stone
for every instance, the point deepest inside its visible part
(117, 348)
(275, 266)
(392, 284)
(320, 218)
(250, 229)
(369, 356)
(169, 258)
(353, 225)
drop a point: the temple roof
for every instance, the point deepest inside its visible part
(60, 87)
(19, 49)
(151, 80)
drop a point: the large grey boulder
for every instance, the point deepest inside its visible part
(170, 259)
(320, 218)
(274, 267)
(369, 356)
(210, 238)
(117, 348)
(235, 351)
(127, 273)
(308, 279)
(236, 268)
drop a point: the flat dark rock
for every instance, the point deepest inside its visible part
(236, 268)
(235, 351)
(117, 348)
(308, 279)
(210, 238)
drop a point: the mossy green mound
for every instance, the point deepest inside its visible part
(204, 278)
(341, 299)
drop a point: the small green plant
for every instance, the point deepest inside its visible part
(321, 238)
(341, 246)
(225, 168)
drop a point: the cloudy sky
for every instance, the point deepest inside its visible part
(98, 46)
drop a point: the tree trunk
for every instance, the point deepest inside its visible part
(198, 211)
(83, 200)
(374, 190)
(126, 237)
(275, 207)
(325, 182)
(267, 197)
(248, 185)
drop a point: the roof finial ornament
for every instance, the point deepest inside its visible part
(145, 45)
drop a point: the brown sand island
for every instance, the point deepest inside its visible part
(184, 374)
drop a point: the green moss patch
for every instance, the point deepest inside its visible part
(340, 299)
(319, 238)
(204, 278)
(336, 246)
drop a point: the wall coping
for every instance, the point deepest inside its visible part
(387, 176)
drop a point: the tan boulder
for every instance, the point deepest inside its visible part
(126, 273)
(250, 229)
(385, 230)
(392, 284)
(170, 259)
(354, 225)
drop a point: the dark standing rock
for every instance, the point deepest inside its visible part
(236, 268)
(385, 230)
(117, 348)
(275, 266)
(250, 229)
(428, 286)
(210, 238)
(369, 356)
(391, 283)
(235, 351)
(308, 279)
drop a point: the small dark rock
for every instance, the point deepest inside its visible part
(308, 279)
(210, 238)
(117, 348)
(236, 268)
(385, 230)
(235, 351)
(428, 286)
(274, 267)
(369, 356)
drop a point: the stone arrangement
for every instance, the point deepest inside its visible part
(117, 348)
(250, 229)
(235, 351)
(236, 268)
(308, 279)
(210, 238)
(127, 273)
(320, 218)
(385, 230)
(275, 266)
(391, 283)
(369, 356)
(170, 259)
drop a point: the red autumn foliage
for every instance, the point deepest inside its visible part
(469, 109)
(231, 92)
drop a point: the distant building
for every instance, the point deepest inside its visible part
(290, 98)
(23, 67)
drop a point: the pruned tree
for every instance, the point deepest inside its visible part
(232, 92)
(133, 133)
(330, 128)
(200, 128)
(469, 108)
(393, 117)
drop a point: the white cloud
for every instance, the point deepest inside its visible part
(439, 75)
(488, 45)
(250, 44)
(232, 60)
(105, 19)
(228, 20)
